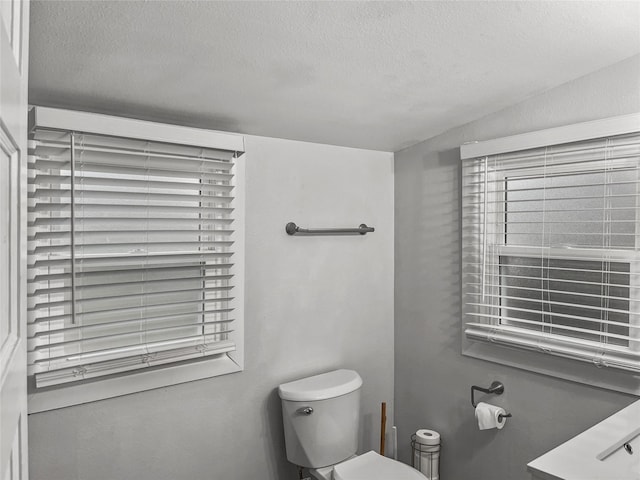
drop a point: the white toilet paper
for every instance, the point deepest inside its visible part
(426, 453)
(427, 437)
(487, 416)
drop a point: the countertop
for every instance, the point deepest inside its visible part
(577, 459)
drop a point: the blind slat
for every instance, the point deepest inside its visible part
(548, 188)
(551, 324)
(145, 271)
(103, 295)
(595, 353)
(99, 316)
(563, 162)
(474, 185)
(555, 329)
(105, 260)
(124, 364)
(181, 232)
(135, 198)
(86, 248)
(44, 182)
(98, 150)
(38, 344)
(112, 307)
(149, 347)
(155, 223)
(623, 296)
(41, 165)
(45, 331)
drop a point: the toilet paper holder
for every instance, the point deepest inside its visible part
(497, 388)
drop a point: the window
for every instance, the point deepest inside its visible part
(133, 245)
(551, 247)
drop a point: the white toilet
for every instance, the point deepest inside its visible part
(321, 416)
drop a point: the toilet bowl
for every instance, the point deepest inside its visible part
(321, 416)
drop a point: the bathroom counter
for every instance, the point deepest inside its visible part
(598, 453)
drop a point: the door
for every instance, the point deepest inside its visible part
(13, 242)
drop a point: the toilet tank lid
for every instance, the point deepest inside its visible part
(321, 387)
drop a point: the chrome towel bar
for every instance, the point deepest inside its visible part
(292, 229)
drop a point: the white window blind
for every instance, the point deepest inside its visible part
(551, 250)
(130, 254)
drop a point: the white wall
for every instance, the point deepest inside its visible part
(312, 304)
(432, 378)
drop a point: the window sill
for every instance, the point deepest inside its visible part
(558, 367)
(76, 394)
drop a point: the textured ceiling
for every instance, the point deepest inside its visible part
(378, 75)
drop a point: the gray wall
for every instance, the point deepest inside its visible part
(312, 304)
(432, 378)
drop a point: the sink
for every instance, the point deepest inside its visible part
(624, 453)
(607, 451)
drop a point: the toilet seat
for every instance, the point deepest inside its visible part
(372, 466)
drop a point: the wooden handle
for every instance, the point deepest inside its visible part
(383, 426)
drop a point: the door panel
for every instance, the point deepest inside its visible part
(13, 240)
(9, 239)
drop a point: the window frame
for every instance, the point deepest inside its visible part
(65, 395)
(568, 369)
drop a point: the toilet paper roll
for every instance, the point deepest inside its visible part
(426, 453)
(427, 437)
(487, 416)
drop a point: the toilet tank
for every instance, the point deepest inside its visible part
(321, 416)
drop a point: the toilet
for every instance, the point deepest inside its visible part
(321, 415)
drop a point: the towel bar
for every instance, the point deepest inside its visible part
(292, 229)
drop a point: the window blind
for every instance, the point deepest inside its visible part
(130, 254)
(551, 250)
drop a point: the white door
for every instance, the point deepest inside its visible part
(14, 25)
